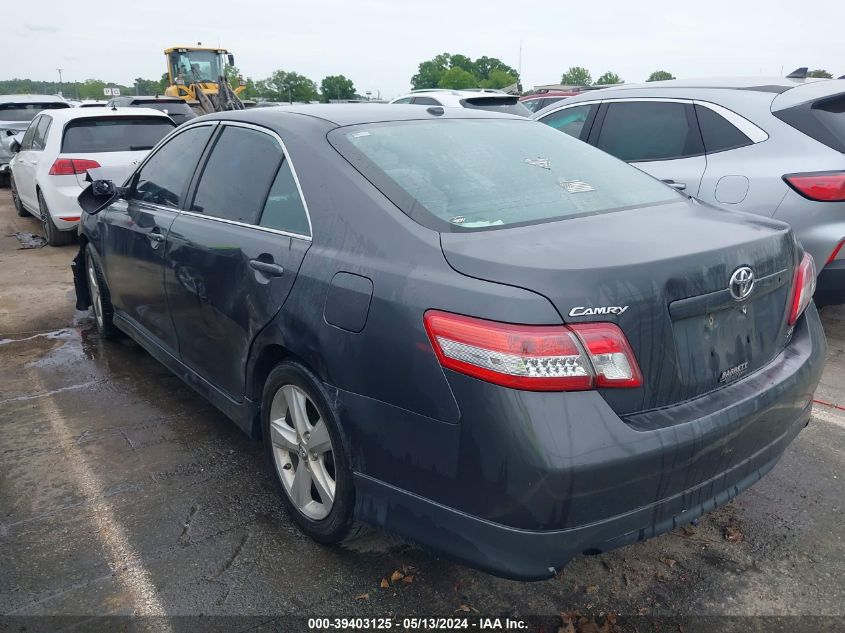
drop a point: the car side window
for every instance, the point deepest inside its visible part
(403, 100)
(237, 175)
(718, 133)
(426, 101)
(570, 120)
(650, 130)
(26, 142)
(284, 209)
(39, 139)
(163, 178)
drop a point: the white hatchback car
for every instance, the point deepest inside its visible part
(60, 146)
(482, 99)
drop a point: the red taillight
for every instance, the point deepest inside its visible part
(72, 166)
(823, 186)
(803, 288)
(534, 357)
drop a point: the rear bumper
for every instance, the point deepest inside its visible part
(64, 206)
(527, 481)
(830, 285)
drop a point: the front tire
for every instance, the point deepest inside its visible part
(54, 236)
(306, 454)
(16, 199)
(100, 297)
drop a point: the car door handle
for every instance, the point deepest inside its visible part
(680, 186)
(155, 239)
(273, 270)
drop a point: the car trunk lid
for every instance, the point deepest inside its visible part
(661, 273)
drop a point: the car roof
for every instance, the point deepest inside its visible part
(31, 99)
(453, 97)
(69, 114)
(342, 114)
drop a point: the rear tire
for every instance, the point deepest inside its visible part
(54, 236)
(303, 443)
(100, 297)
(16, 200)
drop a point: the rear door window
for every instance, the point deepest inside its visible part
(650, 130)
(114, 134)
(284, 209)
(164, 177)
(39, 139)
(570, 120)
(26, 142)
(823, 120)
(718, 133)
(426, 101)
(237, 175)
(403, 100)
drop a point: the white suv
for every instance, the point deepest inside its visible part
(475, 99)
(60, 146)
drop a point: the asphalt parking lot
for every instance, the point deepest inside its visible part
(123, 492)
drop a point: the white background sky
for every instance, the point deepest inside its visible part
(379, 43)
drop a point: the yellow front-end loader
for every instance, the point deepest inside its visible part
(198, 75)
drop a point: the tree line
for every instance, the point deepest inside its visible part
(280, 86)
(580, 76)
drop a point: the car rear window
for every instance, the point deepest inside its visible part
(508, 105)
(114, 134)
(470, 174)
(823, 120)
(26, 111)
(179, 111)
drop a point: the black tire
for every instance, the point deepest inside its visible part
(5, 179)
(54, 236)
(99, 291)
(338, 526)
(21, 211)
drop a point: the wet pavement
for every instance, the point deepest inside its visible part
(124, 492)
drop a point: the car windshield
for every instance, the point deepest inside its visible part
(472, 174)
(116, 134)
(179, 111)
(26, 111)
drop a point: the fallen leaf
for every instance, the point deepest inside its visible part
(733, 534)
(669, 562)
(591, 589)
(642, 610)
(688, 530)
(465, 608)
(363, 596)
(396, 576)
(385, 584)
(409, 579)
(661, 577)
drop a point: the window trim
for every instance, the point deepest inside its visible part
(192, 188)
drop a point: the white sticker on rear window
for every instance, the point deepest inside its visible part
(543, 163)
(576, 186)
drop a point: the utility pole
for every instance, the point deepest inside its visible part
(60, 80)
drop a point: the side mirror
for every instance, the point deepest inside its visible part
(11, 132)
(14, 147)
(231, 59)
(98, 195)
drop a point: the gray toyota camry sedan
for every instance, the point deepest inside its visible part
(459, 326)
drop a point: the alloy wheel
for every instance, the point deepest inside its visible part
(302, 452)
(94, 290)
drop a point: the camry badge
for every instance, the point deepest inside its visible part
(741, 283)
(582, 311)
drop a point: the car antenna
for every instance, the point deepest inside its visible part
(798, 73)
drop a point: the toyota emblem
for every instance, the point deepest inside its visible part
(741, 283)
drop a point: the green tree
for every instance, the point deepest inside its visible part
(457, 79)
(485, 66)
(148, 86)
(283, 86)
(576, 76)
(429, 72)
(820, 74)
(336, 87)
(609, 78)
(464, 63)
(92, 89)
(660, 75)
(498, 79)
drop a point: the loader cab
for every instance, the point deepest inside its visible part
(196, 65)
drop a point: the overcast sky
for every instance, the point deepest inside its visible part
(379, 43)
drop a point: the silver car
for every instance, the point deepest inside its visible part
(768, 146)
(16, 111)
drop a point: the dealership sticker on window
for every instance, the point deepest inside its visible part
(543, 163)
